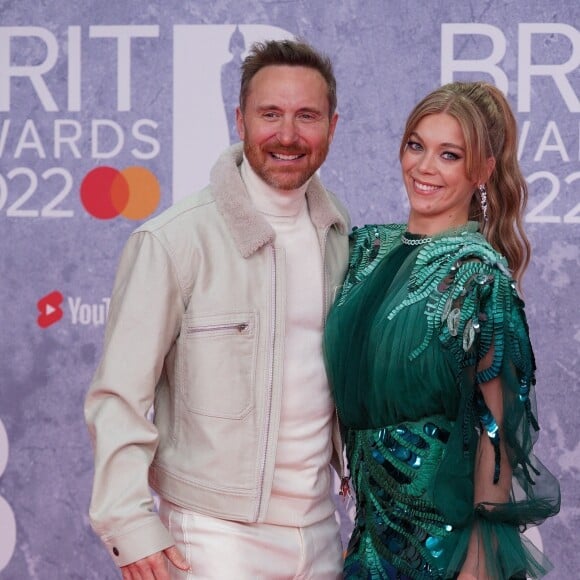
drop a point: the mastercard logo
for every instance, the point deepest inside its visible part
(133, 193)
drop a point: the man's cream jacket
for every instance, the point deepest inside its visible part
(196, 329)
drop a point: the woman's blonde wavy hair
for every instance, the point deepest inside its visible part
(490, 130)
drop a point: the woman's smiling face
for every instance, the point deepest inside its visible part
(434, 173)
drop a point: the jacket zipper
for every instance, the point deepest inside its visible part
(270, 384)
(344, 488)
(235, 326)
(326, 304)
(344, 478)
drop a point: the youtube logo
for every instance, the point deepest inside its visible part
(49, 309)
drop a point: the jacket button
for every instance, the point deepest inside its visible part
(115, 551)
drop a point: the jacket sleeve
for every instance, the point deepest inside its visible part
(145, 313)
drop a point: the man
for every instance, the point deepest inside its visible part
(216, 318)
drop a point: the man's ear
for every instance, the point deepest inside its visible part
(240, 123)
(332, 126)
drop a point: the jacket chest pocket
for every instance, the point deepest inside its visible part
(218, 364)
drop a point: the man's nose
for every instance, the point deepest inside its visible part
(287, 133)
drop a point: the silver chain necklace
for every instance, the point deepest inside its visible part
(414, 241)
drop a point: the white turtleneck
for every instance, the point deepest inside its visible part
(300, 491)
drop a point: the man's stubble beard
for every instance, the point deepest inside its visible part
(278, 178)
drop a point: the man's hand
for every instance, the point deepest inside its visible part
(154, 567)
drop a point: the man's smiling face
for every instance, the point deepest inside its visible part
(285, 124)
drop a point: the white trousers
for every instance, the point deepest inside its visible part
(223, 550)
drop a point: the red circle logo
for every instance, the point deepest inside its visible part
(133, 193)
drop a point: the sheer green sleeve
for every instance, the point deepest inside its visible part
(484, 329)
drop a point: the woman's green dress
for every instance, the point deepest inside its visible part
(404, 345)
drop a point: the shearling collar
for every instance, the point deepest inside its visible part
(249, 228)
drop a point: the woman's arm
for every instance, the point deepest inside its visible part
(485, 491)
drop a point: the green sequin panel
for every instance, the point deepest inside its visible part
(397, 526)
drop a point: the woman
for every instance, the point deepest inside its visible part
(430, 362)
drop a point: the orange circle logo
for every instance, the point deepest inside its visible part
(133, 193)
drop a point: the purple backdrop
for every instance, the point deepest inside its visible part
(90, 91)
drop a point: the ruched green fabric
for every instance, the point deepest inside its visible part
(404, 345)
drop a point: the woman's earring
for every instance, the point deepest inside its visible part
(483, 200)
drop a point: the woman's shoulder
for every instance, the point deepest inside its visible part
(368, 244)
(461, 276)
(369, 231)
(371, 242)
(469, 265)
(399, 227)
(466, 251)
